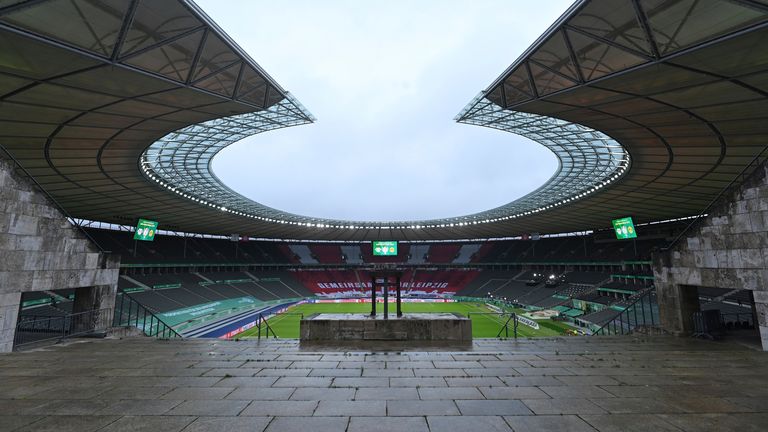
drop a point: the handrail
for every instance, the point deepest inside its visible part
(605, 328)
(30, 330)
(53, 200)
(740, 177)
(139, 316)
(265, 322)
(505, 327)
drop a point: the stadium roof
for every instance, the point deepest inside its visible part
(118, 107)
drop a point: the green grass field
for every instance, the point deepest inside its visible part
(483, 326)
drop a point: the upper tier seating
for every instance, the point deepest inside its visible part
(352, 254)
(466, 253)
(327, 253)
(418, 254)
(442, 253)
(304, 253)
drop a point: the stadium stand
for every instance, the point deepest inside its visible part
(418, 254)
(303, 253)
(466, 253)
(443, 253)
(327, 253)
(352, 254)
(353, 283)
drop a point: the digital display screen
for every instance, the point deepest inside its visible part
(384, 248)
(624, 228)
(145, 230)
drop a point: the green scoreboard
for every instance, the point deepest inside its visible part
(624, 228)
(384, 248)
(145, 230)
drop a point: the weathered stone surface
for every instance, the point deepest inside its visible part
(729, 249)
(40, 250)
(346, 328)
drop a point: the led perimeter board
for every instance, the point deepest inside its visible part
(384, 248)
(145, 230)
(624, 228)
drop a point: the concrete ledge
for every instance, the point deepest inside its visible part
(438, 329)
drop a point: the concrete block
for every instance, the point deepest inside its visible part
(709, 277)
(710, 258)
(12, 281)
(757, 222)
(693, 243)
(719, 220)
(10, 299)
(764, 337)
(22, 225)
(28, 243)
(760, 296)
(750, 258)
(13, 260)
(740, 223)
(750, 193)
(763, 203)
(748, 279)
(722, 258)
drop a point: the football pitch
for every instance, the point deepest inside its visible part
(484, 323)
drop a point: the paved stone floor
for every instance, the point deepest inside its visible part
(561, 384)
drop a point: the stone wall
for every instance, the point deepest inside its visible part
(40, 250)
(729, 249)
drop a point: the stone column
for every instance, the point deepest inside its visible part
(9, 314)
(761, 320)
(677, 303)
(100, 298)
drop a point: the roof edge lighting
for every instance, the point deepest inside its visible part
(181, 163)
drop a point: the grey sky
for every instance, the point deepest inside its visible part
(385, 80)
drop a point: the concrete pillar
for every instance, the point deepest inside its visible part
(761, 319)
(99, 298)
(677, 303)
(9, 314)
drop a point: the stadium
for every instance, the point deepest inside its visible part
(139, 292)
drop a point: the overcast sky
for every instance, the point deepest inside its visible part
(384, 79)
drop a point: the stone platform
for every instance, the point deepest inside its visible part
(417, 328)
(575, 384)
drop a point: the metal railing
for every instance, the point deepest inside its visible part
(36, 329)
(748, 170)
(505, 325)
(641, 316)
(264, 322)
(736, 319)
(130, 313)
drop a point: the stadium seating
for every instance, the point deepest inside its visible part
(418, 254)
(352, 254)
(442, 253)
(358, 282)
(326, 253)
(466, 253)
(303, 253)
(196, 249)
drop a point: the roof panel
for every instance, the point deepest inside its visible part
(156, 21)
(597, 59)
(679, 24)
(615, 21)
(172, 59)
(64, 20)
